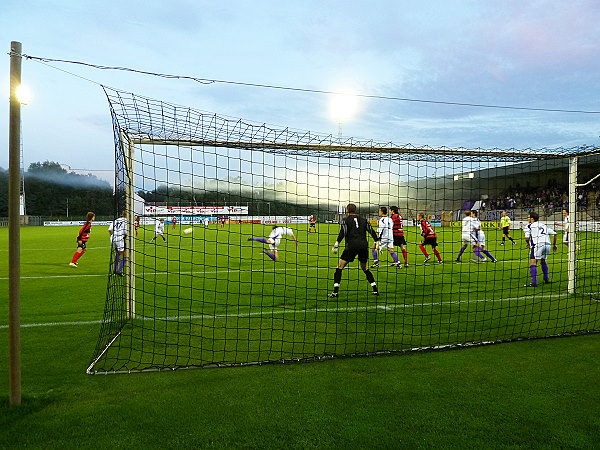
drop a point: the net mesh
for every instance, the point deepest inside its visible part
(210, 285)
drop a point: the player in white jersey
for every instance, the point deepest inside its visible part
(385, 232)
(537, 235)
(566, 224)
(159, 230)
(468, 234)
(274, 240)
(118, 232)
(480, 239)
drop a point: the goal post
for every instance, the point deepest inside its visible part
(129, 148)
(249, 285)
(572, 247)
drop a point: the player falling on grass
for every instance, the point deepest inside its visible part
(505, 225)
(429, 238)
(399, 238)
(480, 240)
(159, 230)
(82, 238)
(274, 240)
(312, 224)
(385, 232)
(537, 235)
(354, 229)
(118, 232)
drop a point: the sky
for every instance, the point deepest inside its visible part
(534, 54)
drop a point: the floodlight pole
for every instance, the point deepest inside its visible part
(14, 231)
(572, 244)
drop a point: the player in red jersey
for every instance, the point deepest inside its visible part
(136, 224)
(174, 220)
(312, 224)
(398, 232)
(429, 238)
(82, 238)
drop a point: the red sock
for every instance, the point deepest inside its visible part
(437, 254)
(405, 254)
(424, 251)
(76, 256)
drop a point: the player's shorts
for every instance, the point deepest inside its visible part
(81, 244)
(481, 238)
(467, 239)
(505, 230)
(273, 243)
(313, 225)
(118, 245)
(566, 237)
(540, 251)
(430, 241)
(399, 240)
(351, 252)
(386, 243)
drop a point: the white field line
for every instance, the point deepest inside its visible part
(272, 312)
(54, 249)
(76, 275)
(298, 268)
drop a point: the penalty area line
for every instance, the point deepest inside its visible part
(263, 269)
(187, 272)
(272, 312)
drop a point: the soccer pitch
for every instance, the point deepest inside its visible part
(212, 298)
(523, 395)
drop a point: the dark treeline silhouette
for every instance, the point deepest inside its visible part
(50, 189)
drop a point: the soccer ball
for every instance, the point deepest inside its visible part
(188, 230)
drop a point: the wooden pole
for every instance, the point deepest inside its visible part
(14, 230)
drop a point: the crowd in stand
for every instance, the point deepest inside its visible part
(550, 199)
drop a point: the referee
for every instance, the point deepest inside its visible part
(354, 229)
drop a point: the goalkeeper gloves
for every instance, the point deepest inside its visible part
(334, 249)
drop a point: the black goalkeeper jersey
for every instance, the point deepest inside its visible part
(354, 229)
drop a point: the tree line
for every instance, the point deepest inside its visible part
(51, 191)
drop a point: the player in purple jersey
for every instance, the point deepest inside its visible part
(354, 229)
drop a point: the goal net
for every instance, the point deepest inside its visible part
(230, 226)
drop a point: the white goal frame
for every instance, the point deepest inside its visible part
(319, 145)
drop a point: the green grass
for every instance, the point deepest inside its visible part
(216, 299)
(527, 394)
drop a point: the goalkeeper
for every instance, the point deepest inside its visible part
(354, 229)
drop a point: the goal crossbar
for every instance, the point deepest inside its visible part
(339, 150)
